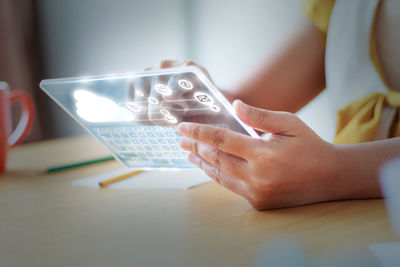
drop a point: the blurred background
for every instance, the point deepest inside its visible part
(42, 39)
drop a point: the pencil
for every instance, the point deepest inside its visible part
(78, 164)
(106, 183)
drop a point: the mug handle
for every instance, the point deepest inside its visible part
(27, 116)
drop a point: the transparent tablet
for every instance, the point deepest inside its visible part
(136, 115)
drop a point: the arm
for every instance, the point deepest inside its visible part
(360, 164)
(293, 78)
(288, 82)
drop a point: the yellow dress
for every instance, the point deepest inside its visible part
(367, 108)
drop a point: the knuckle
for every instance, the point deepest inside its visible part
(260, 160)
(214, 157)
(266, 157)
(260, 117)
(216, 174)
(218, 139)
(195, 147)
(195, 132)
(261, 145)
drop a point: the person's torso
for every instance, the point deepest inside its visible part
(350, 72)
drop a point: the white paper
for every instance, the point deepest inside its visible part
(388, 254)
(281, 250)
(390, 182)
(154, 179)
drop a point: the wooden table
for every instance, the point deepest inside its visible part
(44, 221)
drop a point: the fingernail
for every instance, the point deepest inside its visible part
(237, 102)
(240, 106)
(183, 127)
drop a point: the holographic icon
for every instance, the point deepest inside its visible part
(164, 111)
(215, 108)
(163, 89)
(171, 119)
(133, 106)
(167, 116)
(139, 93)
(185, 84)
(203, 98)
(152, 100)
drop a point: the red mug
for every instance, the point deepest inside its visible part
(9, 138)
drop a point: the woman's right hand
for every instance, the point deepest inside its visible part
(164, 64)
(143, 89)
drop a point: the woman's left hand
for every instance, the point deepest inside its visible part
(292, 167)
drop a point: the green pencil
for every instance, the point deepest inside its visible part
(78, 164)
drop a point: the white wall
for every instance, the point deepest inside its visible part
(230, 38)
(84, 37)
(234, 37)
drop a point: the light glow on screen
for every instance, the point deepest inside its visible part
(94, 108)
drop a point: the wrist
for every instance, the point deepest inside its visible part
(331, 174)
(353, 176)
(340, 185)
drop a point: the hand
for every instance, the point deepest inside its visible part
(293, 166)
(149, 106)
(185, 63)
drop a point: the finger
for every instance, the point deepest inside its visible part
(228, 141)
(229, 182)
(176, 63)
(164, 64)
(171, 63)
(226, 162)
(191, 63)
(268, 121)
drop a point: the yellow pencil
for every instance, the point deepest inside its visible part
(119, 178)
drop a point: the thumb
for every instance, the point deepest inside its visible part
(266, 120)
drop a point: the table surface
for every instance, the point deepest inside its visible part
(45, 221)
